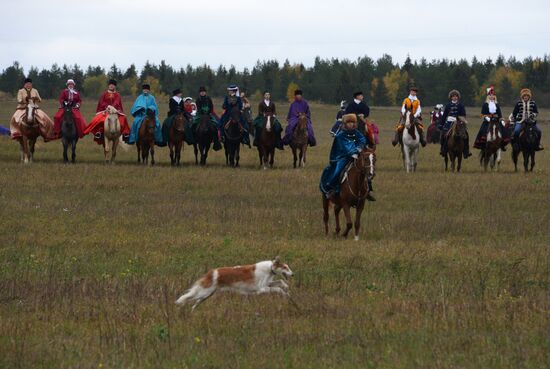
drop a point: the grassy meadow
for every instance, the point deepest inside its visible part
(452, 270)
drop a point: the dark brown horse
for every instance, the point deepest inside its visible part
(527, 144)
(490, 153)
(233, 136)
(205, 134)
(456, 139)
(299, 141)
(146, 139)
(176, 137)
(30, 131)
(353, 193)
(267, 142)
(69, 135)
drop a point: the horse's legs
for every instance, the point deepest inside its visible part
(459, 165)
(295, 156)
(238, 155)
(25, 148)
(325, 213)
(152, 149)
(32, 142)
(358, 212)
(407, 159)
(113, 150)
(349, 224)
(272, 157)
(138, 147)
(179, 148)
(532, 160)
(446, 162)
(172, 156)
(337, 209)
(525, 161)
(73, 153)
(195, 148)
(65, 148)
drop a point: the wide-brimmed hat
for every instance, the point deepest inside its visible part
(176, 91)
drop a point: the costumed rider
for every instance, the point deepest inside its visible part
(490, 109)
(336, 127)
(204, 106)
(347, 145)
(232, 101)
(267, 108)
(525, 109)
(175, 106)
(145, 106)
(453, 110)
(362, 112)
(299, 105)
(410, 103)
(110, 99)
(69, 97)
(25, 97)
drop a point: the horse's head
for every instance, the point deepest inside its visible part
(268, 123)
(493, 132)
(68, 113)
(460, 127)
(529, 133)
(409, 119)
(30, 113)
(179, 121)
(365, 162)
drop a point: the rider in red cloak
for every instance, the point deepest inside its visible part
(71, 97)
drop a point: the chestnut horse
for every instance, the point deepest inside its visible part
(299, 140)
(266, 143)
(176, 136)
(490, 153)
(456, 139)
(353, 193)
(30, 130)
(146, 139)
(111, 134)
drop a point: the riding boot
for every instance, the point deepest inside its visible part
(395, 138)
(422, 140)
(503, 146)
(539, 146)
(279, 142)
(442, 150)
(217, 145)
(255, 141)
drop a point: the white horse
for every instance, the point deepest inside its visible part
(111, 133)
(411, 143)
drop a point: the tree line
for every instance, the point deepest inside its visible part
(384, 81)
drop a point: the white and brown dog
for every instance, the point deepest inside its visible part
(247, 279)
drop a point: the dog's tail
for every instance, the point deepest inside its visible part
(187, 296)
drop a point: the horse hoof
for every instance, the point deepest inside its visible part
(356, 238)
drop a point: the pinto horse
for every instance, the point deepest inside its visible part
(527, 145)
(204, 137)
(30, 130)
(353, 193)
(233, 136)
(69, 135)
(266, 143)
(410, 143)
(455, 140)
(299, 140)
(176, 136)
(146, 139)
(111, 134)
(490, 153)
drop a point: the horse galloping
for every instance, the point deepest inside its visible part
(30, 130)
(111, 134)
(146, 139)
(410, 144)
(526, 144)
(69, 134)
(176, 137)
(353, 193)
(204, 137)
(299, 141)
(455, 141)
(266, 143)
(490, 154)
(233, 136)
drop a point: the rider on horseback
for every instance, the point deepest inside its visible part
(267, 108)
(336, 127)
(175, 106)
(525, 109)
(347, 145)
(69, 97)
(25, 96)
(204, 106)
(453, 110)
(109, 98)
(490, 109)
(299, 105)
(231, 101)
(412, 104)
(145, 105)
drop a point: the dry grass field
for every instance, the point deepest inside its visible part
(452, 270)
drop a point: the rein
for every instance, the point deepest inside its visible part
(363, 171)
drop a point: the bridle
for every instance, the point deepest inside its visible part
(366, 170)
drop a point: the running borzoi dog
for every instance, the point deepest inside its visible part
(247, 279)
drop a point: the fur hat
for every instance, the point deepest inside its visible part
(298, 92)
(112, 82)
(27, 80)
(357, 93)
(145, 86)
(454, 92)
(525, 91)
(202, 89)
(349, 118)
(176, 91)
(70, 81)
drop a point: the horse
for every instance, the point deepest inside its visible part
(490, 154)
(30, 130)
(176, 136)
(354, 191)
(455, 139)
(526, 144)
(204, 137)
(299, 141)
(146, 139)
(111, 134)
(233, 136)
(266, 143)
(410, 143)
(69, 135)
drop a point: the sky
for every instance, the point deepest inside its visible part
(240, 32)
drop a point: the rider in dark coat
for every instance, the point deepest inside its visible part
(453, 110)
(231, 100)
(489, 109)
(524, 109)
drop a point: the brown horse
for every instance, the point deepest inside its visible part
(233, 136)
(176, 136)
(353, 193)
(490, 153)
(30, 131)
(146, 139)
(455, 139)
(299, 141)
(266, 143)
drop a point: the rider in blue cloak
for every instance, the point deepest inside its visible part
(144, 103)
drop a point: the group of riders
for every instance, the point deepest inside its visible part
(352, 130)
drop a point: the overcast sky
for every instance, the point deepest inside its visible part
(239, 32)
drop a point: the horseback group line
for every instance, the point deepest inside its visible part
(188, 121)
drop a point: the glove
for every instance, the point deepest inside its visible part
(355, 156)
(487, 119)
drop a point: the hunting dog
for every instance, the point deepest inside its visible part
(248, 279)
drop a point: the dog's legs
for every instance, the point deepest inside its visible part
(279, 283)
(273, 289)
(203, 295)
